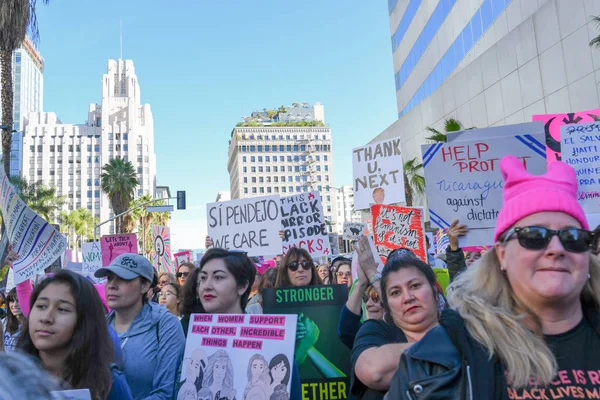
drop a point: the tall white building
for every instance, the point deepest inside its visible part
(489, 63)
(344, 198)
(276, 154)
(70, 157)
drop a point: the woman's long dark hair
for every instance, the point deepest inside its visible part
(87, 365)
(191, 303)
(295, 254)
(12, 322)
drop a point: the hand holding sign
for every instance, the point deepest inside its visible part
(366, 257)
(454, 232)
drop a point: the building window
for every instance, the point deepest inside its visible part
(267, 158)
(252, 159)
(268, 189)
(260, 179)
(268, 169)
(260, 169)
(324, 158)
(298, 189)
(276, 179)
(245, 169)
(253, 179)
(260, 148)
(260, 159)
(283, 188)
(262, 190)
(281, 158)
(283, 179)
(245, 180)
(245, 190)
(252, 169)
(291, 189)
(244, 159)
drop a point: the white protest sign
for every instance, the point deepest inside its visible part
(92, 260)
(250, 225)
(10, 280)
(377, 172)
(464, 180)
(36, 241)
(77, 394)
(303, 224)
(354, 230)
(580, 146)
(255, 354)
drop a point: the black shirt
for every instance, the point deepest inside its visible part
(577, 353)
(373, 333)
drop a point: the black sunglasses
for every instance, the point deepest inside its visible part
(306, 265)
(182, 274)
(537, 238)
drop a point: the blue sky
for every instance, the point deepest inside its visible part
(202, 65)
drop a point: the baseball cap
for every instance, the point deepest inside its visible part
(128, 266)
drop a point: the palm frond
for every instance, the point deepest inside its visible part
(595, 42)
(418, 183)
(452, 125)
(438, 138)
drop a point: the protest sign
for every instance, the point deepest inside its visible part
(255, 354)
(464, 180)
(112, 246)
(36, 241)
(377, 172)
(250, 225)
(76, 394)
(182, 257)
(10, 280)
(92, 260)
(161, 246)
(334, 243)
(553, 124)
(303, 224)
(75, 266)
(581, 150)
(443, 277)
(354, 230)
(396, 227)
(323, 360)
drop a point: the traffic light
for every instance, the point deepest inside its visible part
(181, 199)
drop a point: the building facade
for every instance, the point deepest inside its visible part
(280, 156)
(70, 157)
(489, 63)
(344, 198)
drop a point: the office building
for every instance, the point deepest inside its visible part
(489, 63)
(70, 156)
(286, 152)
(344, 198)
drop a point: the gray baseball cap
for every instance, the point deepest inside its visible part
(128, 266)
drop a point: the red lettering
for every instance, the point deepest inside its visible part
(594, 377)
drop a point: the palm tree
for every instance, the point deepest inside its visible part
(450, 125)
(40, 198)
(595, 42)
(414, 183)
(80, 223)
(118, 182)
(16, 16)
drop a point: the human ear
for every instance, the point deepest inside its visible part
(242, 288)
(500, 250)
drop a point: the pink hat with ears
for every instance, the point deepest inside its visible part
(262, 268)
(525, 194)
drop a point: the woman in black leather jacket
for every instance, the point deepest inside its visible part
(525, 323)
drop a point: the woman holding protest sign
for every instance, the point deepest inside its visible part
(410, 299)
(64, 330)
(151, 337)
(298, 269)
(526, 318)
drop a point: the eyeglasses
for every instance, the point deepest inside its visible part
(163, 282)
(182, 274)
(165, 294)
(342, 273)
(538, 237)
(293, 266)
(373, 295)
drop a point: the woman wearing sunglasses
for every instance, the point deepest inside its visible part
(298, 269)
(183, 271)
(526, 320)
(342, 273)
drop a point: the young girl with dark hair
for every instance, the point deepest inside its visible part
(67, 331)
(13, 322)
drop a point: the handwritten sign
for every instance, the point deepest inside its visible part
(553, 124)
(250, 225)
(378, 177)
(399, 227)
(464, 180)
(354, 230)
(161, 246)
(255, 354)
(112, 246)
(182, 257)
(37, 242)
(303, 224)
(92, 260)
(581, 150)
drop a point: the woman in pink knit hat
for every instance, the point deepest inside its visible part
(525, 320)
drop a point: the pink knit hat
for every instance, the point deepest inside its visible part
(525, 194)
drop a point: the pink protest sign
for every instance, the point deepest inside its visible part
(552, 124)
(182, 257)
(112, 246)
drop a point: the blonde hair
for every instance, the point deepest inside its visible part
(495, 317)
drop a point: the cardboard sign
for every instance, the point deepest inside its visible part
(464, 180)
(161, 249)
(396, 227)
(112, 246)
(378, 174)
(250, 225)
(37, 242)
(92, 260)
(443, 278)
(254, 354)
(182, 257)
(303, 224)
(581, 150)
(553, 124)
(323, 360)
(354, 230)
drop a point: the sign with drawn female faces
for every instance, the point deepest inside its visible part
(464, 180)
(238, 356)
